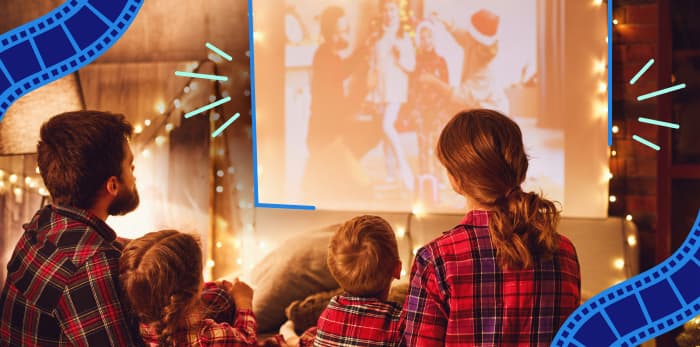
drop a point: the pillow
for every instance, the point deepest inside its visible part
(291, 272)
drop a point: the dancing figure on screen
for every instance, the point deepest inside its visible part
(478, 88)
(392, 59)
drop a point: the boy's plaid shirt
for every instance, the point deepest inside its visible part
(459, 296)
(353, 321)
(217, 324)
(61, 287)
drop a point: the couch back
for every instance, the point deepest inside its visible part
(606, 247)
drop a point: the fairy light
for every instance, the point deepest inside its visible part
(13, 178)
(400, 232)
(169, 127)
(160, 107)
(613, 198)
(619, 263)
(210, 263)
(160, 140)
(177, 103)
(27, 180)
(219, 189)
(220, 173)
(615, 129)
(629, 217)
(138, 129)
(186, 89)
(632, 240)
(219, 244)
(147, 122)
(615, 21)
(35, 170)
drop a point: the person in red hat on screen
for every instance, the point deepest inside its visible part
(479, 88)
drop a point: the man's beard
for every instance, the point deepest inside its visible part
(126, 201)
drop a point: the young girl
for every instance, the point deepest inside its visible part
(161, 274)
(504, 276)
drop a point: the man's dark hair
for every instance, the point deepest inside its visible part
(78, 152)
(329, 20)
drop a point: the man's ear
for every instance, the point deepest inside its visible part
(397, 270)
(112, 186)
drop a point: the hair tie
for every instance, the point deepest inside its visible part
(512, 192)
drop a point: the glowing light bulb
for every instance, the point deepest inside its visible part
(602, 87)
(186, 89)
(146, 153)
(632, 240)
(400, 232)
(27, 180)
(418, 210)
(160, 107)
(615, 21)
(177, 103)
(138, 129)
(613, 198)
(219, 189)
(613, 153)
(13, 178)
(403, 272)
(210, 263)
(628, 217)
(619, 263)
(147, 122)
(35, 170)
(160, 140)
(219, 244)
(615, 129)
(169, 127)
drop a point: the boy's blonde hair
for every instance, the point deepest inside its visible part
(363, 255)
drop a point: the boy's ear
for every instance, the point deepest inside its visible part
(397, 270)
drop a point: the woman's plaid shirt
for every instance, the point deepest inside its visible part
(459, 296)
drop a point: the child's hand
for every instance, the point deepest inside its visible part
(242, 295)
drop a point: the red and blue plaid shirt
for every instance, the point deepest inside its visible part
(217, 324)
(459, 295)
(61, 287)
(353, 321)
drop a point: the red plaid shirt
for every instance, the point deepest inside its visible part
(352, 321)
(61, 287)
(217, 324)
(459, 296)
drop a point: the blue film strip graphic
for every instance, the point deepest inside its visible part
(59, 43)
(642, 307)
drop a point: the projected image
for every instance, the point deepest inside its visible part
(369, 84)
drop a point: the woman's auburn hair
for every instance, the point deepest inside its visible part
(483, 153)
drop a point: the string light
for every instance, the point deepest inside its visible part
(169, 127)
(160, 107)
(212, 98)
(177, 103)
(632, 240)
(160, 140)
(138, 129)
(619, 263)
(220, 173)
(613, 153)
(615, 21)
(629, 217)
(613, 198)
(219, 189)
(35, 170)
(13, 178)
(231, 170)
(615, 129)
(215, 116)
(27, 180)
(219, 244)
(187, 89)
(147, 122)
(400, 232)
(210, 263)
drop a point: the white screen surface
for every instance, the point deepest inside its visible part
(347, 133)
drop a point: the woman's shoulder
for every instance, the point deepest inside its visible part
(460, 238)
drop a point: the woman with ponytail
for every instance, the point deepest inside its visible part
(161, 275)
(503, 276)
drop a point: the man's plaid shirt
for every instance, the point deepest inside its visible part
(61, 287)
(459, 296)
(353, 321)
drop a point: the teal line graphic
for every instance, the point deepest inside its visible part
(201, 75)
(659, 123)
(646, 142)
(643, 307)
(225, 125)
(642, 71)
(661, 92)
(218, 51)
(207, 107)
